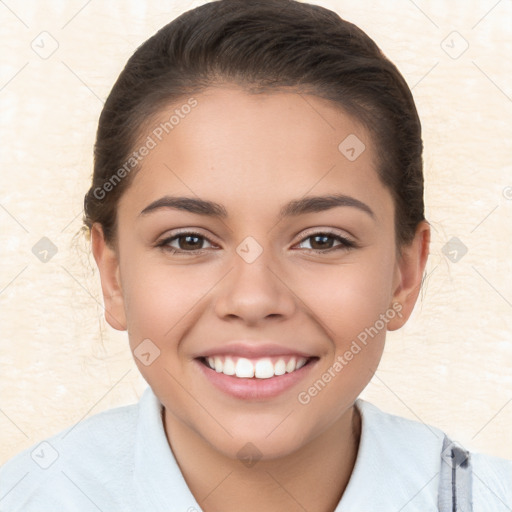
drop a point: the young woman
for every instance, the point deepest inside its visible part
(256, 215)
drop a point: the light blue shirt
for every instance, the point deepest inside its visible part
(119, 461)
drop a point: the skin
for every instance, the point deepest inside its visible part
(253, 154)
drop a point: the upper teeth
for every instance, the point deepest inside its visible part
(261, 368)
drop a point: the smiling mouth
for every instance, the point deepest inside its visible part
(261, 368)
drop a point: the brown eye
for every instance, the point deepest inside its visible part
(190, 242)
(184, 242)
(323, 242)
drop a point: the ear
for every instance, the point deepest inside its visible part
(108, 266)
(408, 276)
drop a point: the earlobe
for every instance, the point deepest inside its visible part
(409, 275)
(108, 266)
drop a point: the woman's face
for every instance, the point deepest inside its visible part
(272, 276)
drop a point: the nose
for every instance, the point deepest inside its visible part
(255, 292)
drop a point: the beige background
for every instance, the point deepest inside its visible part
(60, 362)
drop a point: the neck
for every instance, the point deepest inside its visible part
(312, 478)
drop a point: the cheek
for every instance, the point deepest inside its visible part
(158, 298)
(345, 299)
(350, 297)
(353, 305)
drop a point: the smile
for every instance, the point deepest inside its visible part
(261, 368)
(255, 371)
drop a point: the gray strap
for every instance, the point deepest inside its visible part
(455, 490)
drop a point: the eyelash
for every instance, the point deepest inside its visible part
(345, 243)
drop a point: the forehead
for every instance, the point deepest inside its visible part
(248, 149)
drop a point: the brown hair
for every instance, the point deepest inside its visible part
(262, 45)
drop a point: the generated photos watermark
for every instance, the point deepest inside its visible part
(149, 144)
(305, 397)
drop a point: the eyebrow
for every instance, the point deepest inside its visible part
(310, 204)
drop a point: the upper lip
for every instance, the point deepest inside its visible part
(253, 350)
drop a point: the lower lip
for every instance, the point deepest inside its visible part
(255, 389)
